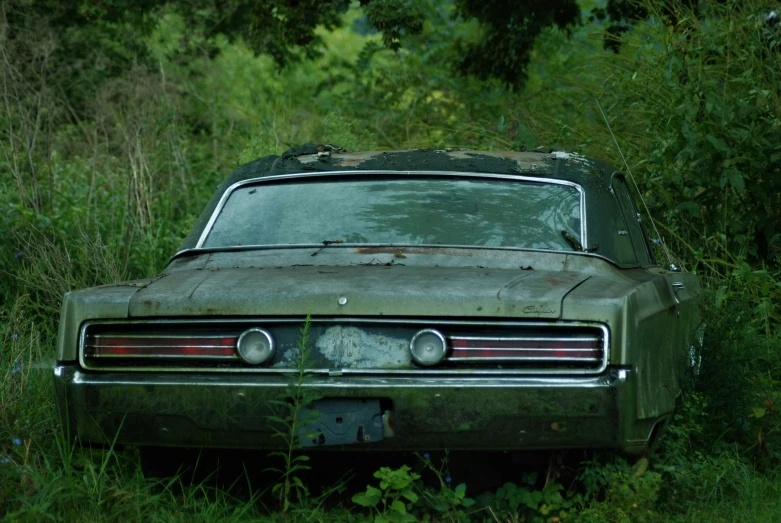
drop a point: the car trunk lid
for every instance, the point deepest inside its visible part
(359, 290)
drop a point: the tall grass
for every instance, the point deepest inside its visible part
(106, 191)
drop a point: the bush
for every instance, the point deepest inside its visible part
(695, 108)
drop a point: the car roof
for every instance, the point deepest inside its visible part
(594, 176)
(541, 163)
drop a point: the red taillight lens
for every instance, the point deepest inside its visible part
(586, 349)
(107, 346)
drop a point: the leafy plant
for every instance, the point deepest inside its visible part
(292, 402)
(448, 502)
(402, 496)
(388, 501)
(619, 492)
(517, 503)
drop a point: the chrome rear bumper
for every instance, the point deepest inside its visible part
(232, 411)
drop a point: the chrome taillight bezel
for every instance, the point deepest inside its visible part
(245, 335)
(238, 325)
(440, 348)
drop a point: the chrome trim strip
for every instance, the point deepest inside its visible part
(163, 336)
(527, 349)
(525, 338)
(247, 248)
(79, 377)
(357, 372)
(163, 356)
(162, 346)
(514, 359)
(351, 319)
(325, 174)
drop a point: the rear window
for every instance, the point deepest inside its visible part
(410, 211)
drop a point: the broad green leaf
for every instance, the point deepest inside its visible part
(736, 180)
(410, 495)
(529, 499)
(370, 498)
(398, 506)
(718, 144)
(553, 498)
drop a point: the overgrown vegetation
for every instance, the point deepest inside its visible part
(108, 154)
(293, 403)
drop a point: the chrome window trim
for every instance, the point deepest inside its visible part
(245, 248)
(320, 174)
(325, 372)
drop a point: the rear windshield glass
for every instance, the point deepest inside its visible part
(419, 211)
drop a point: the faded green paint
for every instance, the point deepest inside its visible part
(650, 317)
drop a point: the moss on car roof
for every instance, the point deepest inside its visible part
(593, 175)
(311, 157)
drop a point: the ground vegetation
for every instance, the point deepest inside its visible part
(116, 125)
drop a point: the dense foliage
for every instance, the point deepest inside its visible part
(117, 122)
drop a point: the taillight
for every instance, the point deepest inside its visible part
(255, 346)
(428, 347)
(576, 349)
(160, 346)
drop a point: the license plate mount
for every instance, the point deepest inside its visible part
(335, 421)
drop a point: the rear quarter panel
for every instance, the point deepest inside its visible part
(105, 302)
(642, 313)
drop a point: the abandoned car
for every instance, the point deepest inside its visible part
(456, 299)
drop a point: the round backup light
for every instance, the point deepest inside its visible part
(255, 346)
(428, 347)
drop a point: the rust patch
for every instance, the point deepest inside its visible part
(341, 159)
(354, 159)
(525, 160)
(395, 251)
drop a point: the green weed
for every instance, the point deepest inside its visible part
(104, 166)
(292, 403)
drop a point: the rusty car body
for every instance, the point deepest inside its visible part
(458, 300)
